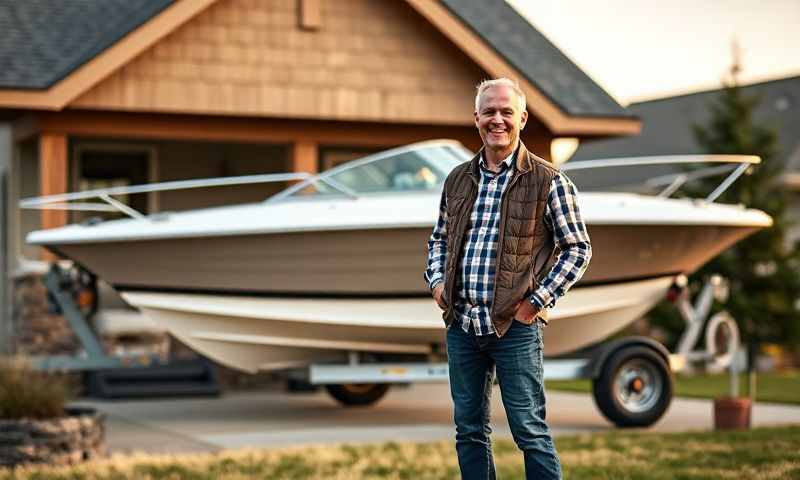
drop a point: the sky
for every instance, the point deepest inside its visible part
(643, 49)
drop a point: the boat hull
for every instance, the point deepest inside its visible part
(367, 262)
(253, 334)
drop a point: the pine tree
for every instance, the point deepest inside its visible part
(763, 270)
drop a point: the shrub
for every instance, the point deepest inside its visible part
(25, 393)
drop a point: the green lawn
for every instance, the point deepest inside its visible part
(763, 453)
(783, 387)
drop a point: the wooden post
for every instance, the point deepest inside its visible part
(305, 157)
(53, 175)
(52, 179)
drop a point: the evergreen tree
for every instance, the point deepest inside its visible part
(763, 270)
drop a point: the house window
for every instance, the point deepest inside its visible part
(101, 166)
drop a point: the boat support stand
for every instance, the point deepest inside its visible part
(717, 355)
(92, 356)
(130, 376)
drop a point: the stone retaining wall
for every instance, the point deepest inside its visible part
(36, 330)
(67, 440)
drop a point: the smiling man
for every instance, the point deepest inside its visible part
(508, 243)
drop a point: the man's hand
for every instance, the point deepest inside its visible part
(526, 312)
(437, 295)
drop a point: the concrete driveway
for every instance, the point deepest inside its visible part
(421, 412)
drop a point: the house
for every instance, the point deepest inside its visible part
(98, 93)
(667, 129)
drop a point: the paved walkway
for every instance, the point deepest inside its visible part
(418, 413)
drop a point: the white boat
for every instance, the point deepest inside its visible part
(320, 269)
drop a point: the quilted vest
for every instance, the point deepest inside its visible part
(525, 246)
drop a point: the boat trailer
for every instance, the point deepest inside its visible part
(631, 377)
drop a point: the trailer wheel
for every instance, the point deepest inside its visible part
(357, 394)
(634, 387)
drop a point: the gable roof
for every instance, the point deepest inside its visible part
(120, 46)
(511, 36)
(666, 127)
(42, 41)
(52, 51)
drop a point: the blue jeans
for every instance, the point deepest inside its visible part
(517, 358)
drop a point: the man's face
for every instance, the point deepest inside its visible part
(499, 118)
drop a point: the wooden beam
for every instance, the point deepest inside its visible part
(247, 129)
(310, 14)
(305, 157)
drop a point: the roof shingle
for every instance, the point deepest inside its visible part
(535, 57)
(42, 41)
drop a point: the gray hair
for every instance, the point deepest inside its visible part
(498, 82)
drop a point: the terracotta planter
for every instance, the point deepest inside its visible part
(732, 413)
(78, 436)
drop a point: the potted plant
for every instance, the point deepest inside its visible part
(36, 426)
(733, 412)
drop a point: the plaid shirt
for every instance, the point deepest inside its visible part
(475, 283)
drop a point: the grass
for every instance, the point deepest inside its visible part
(780, 387)
(764, 453)
(25, 393)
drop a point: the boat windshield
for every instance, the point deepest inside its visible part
(422, 167)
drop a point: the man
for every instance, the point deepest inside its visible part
(501, 217)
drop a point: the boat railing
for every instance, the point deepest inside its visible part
(67, 201)
(735, 164)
